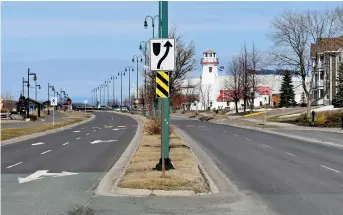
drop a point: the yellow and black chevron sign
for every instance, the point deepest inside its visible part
(162, 84)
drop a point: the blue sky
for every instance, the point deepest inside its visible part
(76, 46)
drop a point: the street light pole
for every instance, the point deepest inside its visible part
(152, 24)
(28, 89)
(37, 85)
(121, 73)
(113, 87)
(129, 69)
(145, 93)
(137, 58)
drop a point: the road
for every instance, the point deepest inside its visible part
(291, 176)
(69, 150)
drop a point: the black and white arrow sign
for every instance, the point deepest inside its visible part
(53, 101)
(162, 54)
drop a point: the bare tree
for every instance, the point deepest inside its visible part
(245, 64)
(234, 85)
(185, 62)
(294, 32)
(339, 20)
(205, 92)
(8, 100)
(189, 93)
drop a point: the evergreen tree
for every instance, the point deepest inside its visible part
(303, 101)
(339, 95)
(287, 93)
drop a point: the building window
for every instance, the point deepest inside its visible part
(214, 55)
(210, 69)
(210, 104)
(205, 54)
(321, 57)
(322, 76)
(322, 93)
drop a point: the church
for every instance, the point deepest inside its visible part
(209, 91)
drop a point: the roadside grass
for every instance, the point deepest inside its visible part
(185, 176)
(9, 133)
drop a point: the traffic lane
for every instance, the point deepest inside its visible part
(287, 184)
(22, 151)
(79, 154)
(313, 152)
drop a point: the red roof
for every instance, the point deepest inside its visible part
(264, 90)
(208, 52)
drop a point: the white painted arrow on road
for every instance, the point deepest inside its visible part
(102, 141)
(38, 175)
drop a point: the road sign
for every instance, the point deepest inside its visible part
(85, 101)
(53, 101)
(162, 84)
(162, 54)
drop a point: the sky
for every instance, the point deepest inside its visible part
(77, 46)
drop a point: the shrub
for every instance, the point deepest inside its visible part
(334, 120)
(320, 118)
(303, 119)
(33, 117)
(153, 127)
(4, 110)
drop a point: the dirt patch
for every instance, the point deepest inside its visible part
(185, 176)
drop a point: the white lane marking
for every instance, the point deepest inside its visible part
(94, 130)
(78, 138)
(266, 145)
(87, 134)
(95, 127)
(65, 143)
(235, 134)
(335, 170)
(14, 165)
(45, 152)
(121, 126)
(225, 131)
(290, 154)
(76, 131)
(37, 144)
(116, 129)
(247, 138)
(103, 141)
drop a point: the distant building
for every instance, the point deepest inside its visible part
(326, 53)
(209, 90)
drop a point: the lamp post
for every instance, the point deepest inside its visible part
(137, 58)
(107, 86)
(152, 24)
(121, 88)
(39, 87)
(113, 88)
(129, 69)
(52, 88)
(28, 88)
(96, 96)
(145, 55)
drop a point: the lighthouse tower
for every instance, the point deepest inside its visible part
(209, 78)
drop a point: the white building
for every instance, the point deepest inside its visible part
(210, 87)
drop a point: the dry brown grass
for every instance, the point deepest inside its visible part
(185, 176)
(9, 133)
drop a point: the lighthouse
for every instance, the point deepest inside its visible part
(209, 78)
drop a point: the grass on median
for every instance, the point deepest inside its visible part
(71, 118)
(185, 176)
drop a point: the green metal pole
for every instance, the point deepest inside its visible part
(137, 87)
(164, 34)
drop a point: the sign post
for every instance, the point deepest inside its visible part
(162, 60)
(53, 103)
(85, 101)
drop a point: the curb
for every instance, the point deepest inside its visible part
(284, 135)
(27, 137)
(113, 176)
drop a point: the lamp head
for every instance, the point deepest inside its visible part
(140, 47)
(141, 60)
(145, 24)
(35, 78)
(133, 60)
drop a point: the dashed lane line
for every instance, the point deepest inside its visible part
(78, 138)
(335, 170)
(45, 152)
(267, 146)
(65, 143)
(290, 154)
(14, 165)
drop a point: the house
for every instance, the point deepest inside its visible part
(326, 54)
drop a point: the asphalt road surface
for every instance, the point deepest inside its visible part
(58, 172)
(293, 177)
